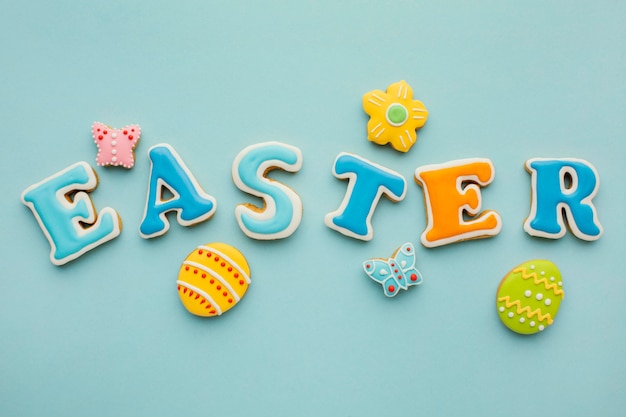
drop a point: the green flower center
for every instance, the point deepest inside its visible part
(397, 114)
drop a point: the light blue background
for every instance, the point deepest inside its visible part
(314, 336)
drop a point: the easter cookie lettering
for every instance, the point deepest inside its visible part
(189, 201)
(282, 211)
(452, 190)
(367, 182)
(562, 189)
(451, 194)
(563, 185)
(66, 214)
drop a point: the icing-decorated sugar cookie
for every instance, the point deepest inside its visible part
(367, 182)
(560, 188)
(529, 297)
(395, 273)
(115, 146)
(282, 209)
(66, 214)
(212, 279)
(394, 116)
(168, 173)
(453, 201)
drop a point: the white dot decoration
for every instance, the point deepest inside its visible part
(113, 135)
(522, 320)
(113, 151)
(532, 324)
(501, 309)
(528, 293)
(532, 267)
(542, 273)
(113, 143)
(114, 159)
(548, 301)
(541, 327)
(552, 279)
(560, 284)
(539, 296)
(511, 314)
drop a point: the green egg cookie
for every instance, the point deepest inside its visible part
(529, 296)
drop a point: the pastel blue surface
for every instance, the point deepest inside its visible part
(314, 336)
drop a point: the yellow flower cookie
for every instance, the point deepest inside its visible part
(394, 116)
(529, 296)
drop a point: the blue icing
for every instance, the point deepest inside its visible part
(190, 202)
(61, 219)
(367, 182)
(551, 194)
(395, 273)
(282, 213)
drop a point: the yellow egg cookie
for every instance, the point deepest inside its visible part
(529, 296)
(212, 279)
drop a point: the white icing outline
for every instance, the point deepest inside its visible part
(81, 194)
(159, 193)
(158, 201)
(269, 211)
(475, 185)
(202, 293)
(214, 275)
(227, 259)
(571, 221)
(393, 123)
(352, 178)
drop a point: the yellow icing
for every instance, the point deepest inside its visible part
(526, 309)
(527, 275)
(213, 279)
(394, 116)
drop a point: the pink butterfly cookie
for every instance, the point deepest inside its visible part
(115, 146)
